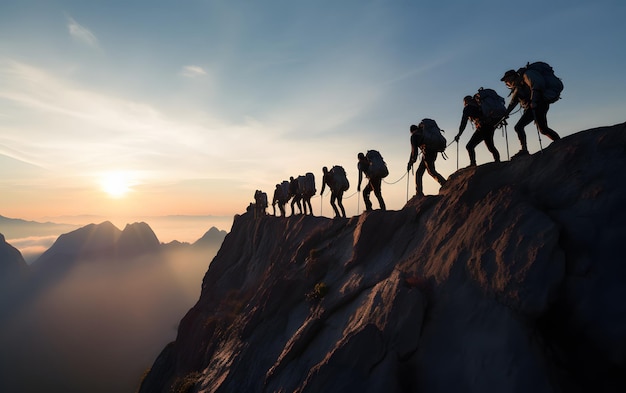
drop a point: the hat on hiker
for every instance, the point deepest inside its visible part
(509, 74)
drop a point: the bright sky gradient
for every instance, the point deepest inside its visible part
(190, 106)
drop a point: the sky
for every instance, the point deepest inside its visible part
(123, 110)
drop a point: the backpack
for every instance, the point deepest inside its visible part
(433, 139)
(306, 184)
(284, 191)
(491, 105)
(340, 180)
(554, 84)
(260, 198)
(378, 167)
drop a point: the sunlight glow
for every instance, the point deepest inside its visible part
(116, 184)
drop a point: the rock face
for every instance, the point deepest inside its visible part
(512, 279)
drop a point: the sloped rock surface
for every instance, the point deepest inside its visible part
(511, 280)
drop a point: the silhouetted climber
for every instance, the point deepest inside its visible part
(306, 186)
(429, 154)
(294, 192)
(484, 130)
(338, 183)
(375, 169)
(279, 198)
(534, 87)
(260, 203)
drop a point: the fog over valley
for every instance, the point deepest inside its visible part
(97, 323)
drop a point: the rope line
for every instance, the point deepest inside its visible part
(351, 195)
(386, 182)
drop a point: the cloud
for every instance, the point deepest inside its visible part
(192, 71)
(33, 246)
(81, 33)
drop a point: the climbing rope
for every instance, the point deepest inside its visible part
(396, 180)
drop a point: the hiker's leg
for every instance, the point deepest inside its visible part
(299, 203)
(476, 138)
(526, 118)
(376, 183)
(366, 196)
(333, 197)
(541, 120)
(488, 135)
(429, 160)
(419, 175)
(340, 203)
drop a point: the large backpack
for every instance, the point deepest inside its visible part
(491, 105)
(554, 84)
(378, 167)
(306, 184)
(284, 191)
(340, 180)
(260, 198)
(433, 137)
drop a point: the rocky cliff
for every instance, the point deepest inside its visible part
(512, 279)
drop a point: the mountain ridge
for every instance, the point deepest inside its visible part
(509, 280)
(93, 314)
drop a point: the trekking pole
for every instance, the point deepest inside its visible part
(407, 185)
(539, 136)
(457, 155)
(506, 138)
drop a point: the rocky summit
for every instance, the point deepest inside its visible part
(512, 279)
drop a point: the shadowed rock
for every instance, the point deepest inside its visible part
(510, 280)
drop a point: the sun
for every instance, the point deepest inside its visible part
(116, 184)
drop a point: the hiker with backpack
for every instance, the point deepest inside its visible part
(534, 87)
(375, 169)
(421, 139)
(279, 200)
(485, 128)
(337, 182)
(306, 185)
(294, 192)
(260, 199)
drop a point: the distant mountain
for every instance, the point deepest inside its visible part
(212, 238)
(105, 240)
(511, 279)
(96, 309)
(136, 239)
(14, 228)
(13, 268)
(89, 242)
